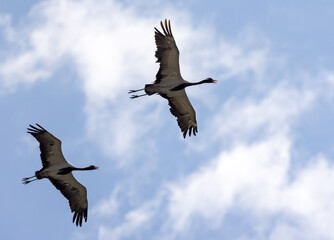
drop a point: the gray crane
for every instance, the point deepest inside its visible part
(169, 83)
(59, 172)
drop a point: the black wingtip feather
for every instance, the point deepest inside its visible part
(35, 130)
(166, 28)
(74, 216)
(79, 215)
(80, 218)
(163, 29)
(40, 127)
(157, 31)
(170, 28)
(34, 127)
(190, 131)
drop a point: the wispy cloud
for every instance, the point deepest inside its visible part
(108, 207)
(137, 220)
(254, 172)
(270, 115)
(111, 47)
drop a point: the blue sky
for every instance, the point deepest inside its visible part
(261, 166)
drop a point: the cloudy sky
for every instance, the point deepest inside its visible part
(261, 166)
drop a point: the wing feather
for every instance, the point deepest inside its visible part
(167, 54)
(181, 108)
(49, 145)
(76, 194)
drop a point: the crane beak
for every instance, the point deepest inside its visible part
(215, 81)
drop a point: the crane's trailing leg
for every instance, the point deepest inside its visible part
(132, 91)
(26, 180)
(136, 96)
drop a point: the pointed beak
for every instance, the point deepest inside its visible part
(215, 81)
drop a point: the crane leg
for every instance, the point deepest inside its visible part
(132, 91)
(136, 96)
(26, 180)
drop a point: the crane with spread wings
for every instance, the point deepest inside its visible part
(59, 172)
(169, 83)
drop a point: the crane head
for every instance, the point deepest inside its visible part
(210, 80)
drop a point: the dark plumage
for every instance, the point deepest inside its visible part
(59, 172)
(169, 83)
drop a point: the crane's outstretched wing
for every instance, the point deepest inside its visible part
(181, 108)
(49, 145)
(76, 194)
(167, 54)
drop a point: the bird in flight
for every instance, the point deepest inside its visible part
(169, 83)
(59, 172)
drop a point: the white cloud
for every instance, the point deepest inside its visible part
(253, 173)
(108, 207)
(255, 178)
(270, 115)
(134, 221)
(243, 172)
(111, 47)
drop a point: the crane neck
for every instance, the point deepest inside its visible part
(67, 170)
(187, 84)
(91, 167)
